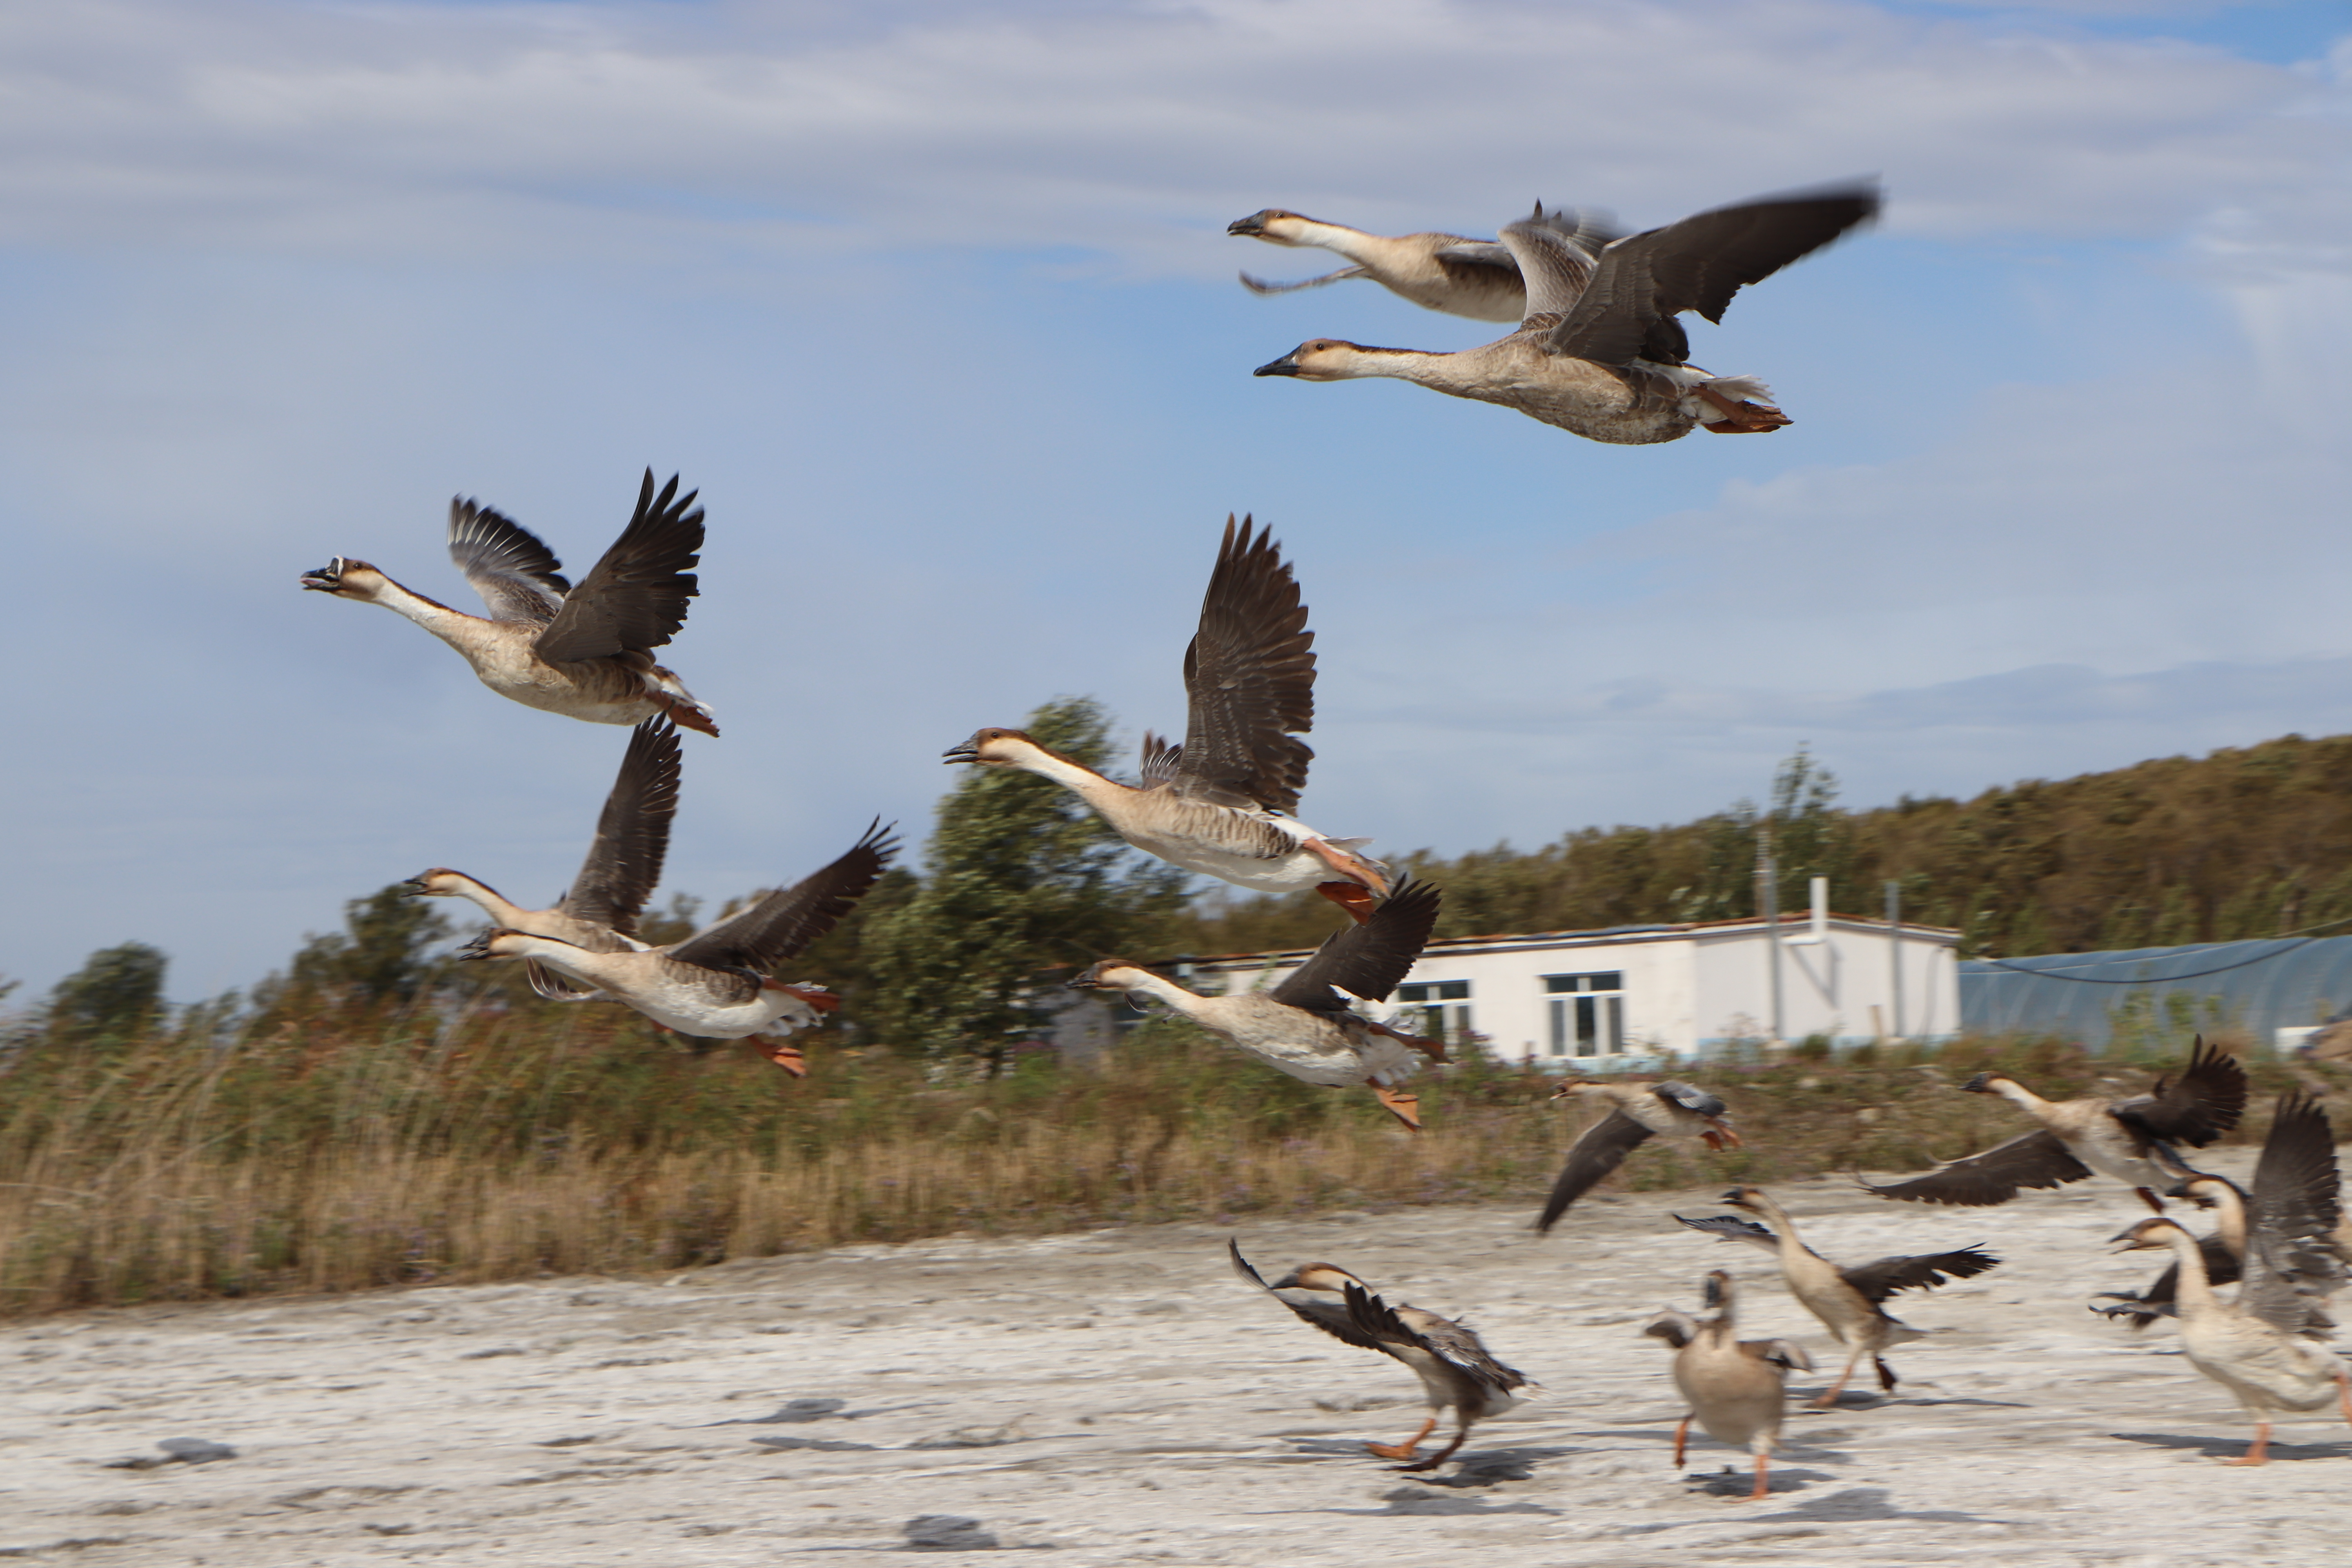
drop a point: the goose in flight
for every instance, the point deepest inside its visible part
(583, 652)
(1637, 1112)
(2131, 1139)
(716, 983)
(1220, 804)
(1738, 1388)
(1448, 272)
(1301, 1027)
(599, 912)
(1849, 1302)
(1600, 352)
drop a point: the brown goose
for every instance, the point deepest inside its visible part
(1456, 1371)
(599, 912)
(1448, 272)
(1220, 804)
(1738, 1388)
(583, 652)
(1600, 353)
(1637, 1112)
(2130, 1139)
(1316, 1293)
(1849, 1302)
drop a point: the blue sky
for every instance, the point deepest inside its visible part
(936, 305)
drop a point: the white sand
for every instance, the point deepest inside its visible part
(1142, 1405)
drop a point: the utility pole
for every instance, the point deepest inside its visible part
(1895, 948)
(1767, 901)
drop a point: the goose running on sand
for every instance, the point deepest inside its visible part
(715, 983)
(1600, 353)
(1448, 272)
(1849, 1302)
(1637, 1112)
(1738, 1388)
(1220, 804)
(2131, 1140)
(599, 912)
(1301, 1027)
(583, 652)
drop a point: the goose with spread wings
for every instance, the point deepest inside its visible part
(1849, 1302)
(1302, 1027)
(716, 983)
(1600, 351)
(1737, 1389)
(599, 912)
(2133, 1140)
(583, 652)
(1637, 1113)
(1449, 272)
(1458, 1372)
(1221, 803)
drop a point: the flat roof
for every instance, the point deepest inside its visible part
(1608, 936)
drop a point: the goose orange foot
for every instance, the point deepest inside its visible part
(1404, 1450)
(1405, 1108)
(789, 1058)
(1351, 897)
(2259, 1451)
(1741, 418)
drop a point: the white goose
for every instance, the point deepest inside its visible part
(715, 983)
(1738, 1388)
(582, 652)
(1220, 804)
(1600, 353)
(1448, 272)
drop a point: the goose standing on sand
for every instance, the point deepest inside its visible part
(1637, 1112)
(582, 652)
(1220, 804)
(1448, 272)
(1849, 1302)
(2131, 1139)
(715, 983)
(1301, 1027)
(599, 912)
(1738, 1388)
(1600, 353)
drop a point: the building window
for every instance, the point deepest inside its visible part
(1445, 1008)
(1588, 1014)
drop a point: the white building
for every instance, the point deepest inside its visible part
(1634, 997)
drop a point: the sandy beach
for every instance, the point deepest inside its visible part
(1118, 1396)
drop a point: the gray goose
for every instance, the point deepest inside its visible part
(1448, 272)
(1738, 1388)
(583, 652)
(1637, 1112)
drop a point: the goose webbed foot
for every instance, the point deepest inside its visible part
(1404, 1450)
(1741, 418)
(1405, 1108)
(1351, 897)
(789, 1058)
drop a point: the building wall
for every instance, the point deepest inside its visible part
(1825, 989)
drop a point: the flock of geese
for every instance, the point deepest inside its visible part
(1599, 351)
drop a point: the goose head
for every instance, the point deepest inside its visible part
(1744, 1198)
(1717, 1288)
(1570, 1087)
(346, 579)
(1328, 359)
(992, 748)
(1318, 1276)
(1988, 1083)
(2149, 1235)
(1113, 974)
(495, 942)
(1276, 226)
(440, 882)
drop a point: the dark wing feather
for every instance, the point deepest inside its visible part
(1332, 1318)
(625, 859)
(1689, 1097)
(1698, 264)
(2205, 1101)
(785, 922)
(2290, 1266)
(1555, 266)
(1924, 1271)
(1449, 1341)
(1731, 1227)
(1995, 1176)
(1366, 960)
(517, 575)
(635, 597)
(1162, 761)
(2157, 1300)
(1601, 1150)
(1249, 674)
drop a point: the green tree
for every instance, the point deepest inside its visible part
(381, 954)
(117, 991)
(1019, 877)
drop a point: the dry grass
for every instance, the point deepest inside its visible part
(338, 1152)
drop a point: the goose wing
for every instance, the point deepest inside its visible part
(1676, 1328)
(1331, 1317)
(634, 598)
(1995, 1176)
(1162, 761)
(1786, 1354)
(782, 924)
(1249, 673)
(1690, 1098)
(516, 574)
(1601, 1150)
(1458, 1347)
(1923, 1271)
(1260, 286)
(2157, 1300)
(1366, 960)
(1731, 1227)
(1642, 282)
(625, 859)
(1555, 253)
(2289, 1267)
(2204, 1102)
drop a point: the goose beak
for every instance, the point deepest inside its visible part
(1252, 225)
(966, 753)
(327, 578)
(1286, 365)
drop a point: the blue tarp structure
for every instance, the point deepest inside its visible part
(2154, 996)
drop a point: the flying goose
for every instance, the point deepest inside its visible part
(1600, 353)
(599, 912)
(715, 983)
(1448, 272)
(2130, 1140)
(1220, 804)
(1301, 1027)
(1848, 1301)
(582, 652)
(1637, 1112)
(1737, 1388)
